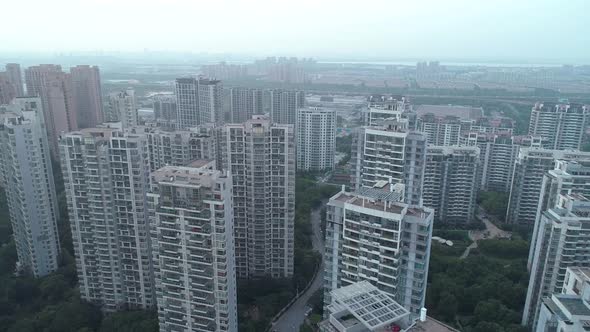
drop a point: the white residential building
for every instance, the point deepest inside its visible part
(316, 139)
(562, 241)
(371, 235)
(193, 248)
(29, 186)
(390, 152)
(180, 147)
(187, 102)
(569, 310)
(210, 93)
(123, 108)
(284, 105)
(562, 126)
(451, 183)
(243, 103)
(261, 158)
(106, 176)
(165, 111)
(530, 166)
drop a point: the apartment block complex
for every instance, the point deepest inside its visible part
(372, 236)
(561, 241)
(106, 176)
(451, 183)
(28, 183)
(261, 158)
(193, 248)
(15, 77)
(316, 138)
(562, 126)
(530, 166)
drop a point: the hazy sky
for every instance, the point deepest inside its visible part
(521, 29)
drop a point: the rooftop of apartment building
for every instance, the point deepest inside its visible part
(561, 107)
(200, 172)
(362, 307)
(462, 112)
(495, 121)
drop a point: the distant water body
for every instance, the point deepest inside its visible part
(448, 64)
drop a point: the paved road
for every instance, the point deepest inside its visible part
(295, 316)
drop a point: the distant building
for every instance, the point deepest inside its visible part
(498, 154)
(451, 183)
(316, 139)
(284, 105)
(57, 94)
(561, 242)
(562, 126)
(165, 111)
(224, 71)
(261, 158)
(7, 89)
(29, 186)
(362, 307)
(569, 310)
(87, 95)
(15, 77)
(123, 108)
(243, 103)
(191, 221)
(210, 93)
(531, 164)
(397, 236)
(187, 102)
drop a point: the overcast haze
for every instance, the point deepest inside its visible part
(550, 30)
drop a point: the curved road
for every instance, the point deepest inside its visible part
(295, 315)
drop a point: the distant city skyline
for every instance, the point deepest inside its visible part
(427, 29)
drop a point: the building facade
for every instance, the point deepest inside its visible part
(87, 95)
(284, 105)
(529, 168)
(243, 103)
(210, 93)
(561, 241)
(180, 147)
(371, 236)
(29, 186)
(316, 139)
(165, 111)
(106, 177)
(123, 108)
(193, 248)
(15, 77)
(55, 89)
(451, 183)
(390, 153)
(187, 102)
(261, 158)
(562, 126)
